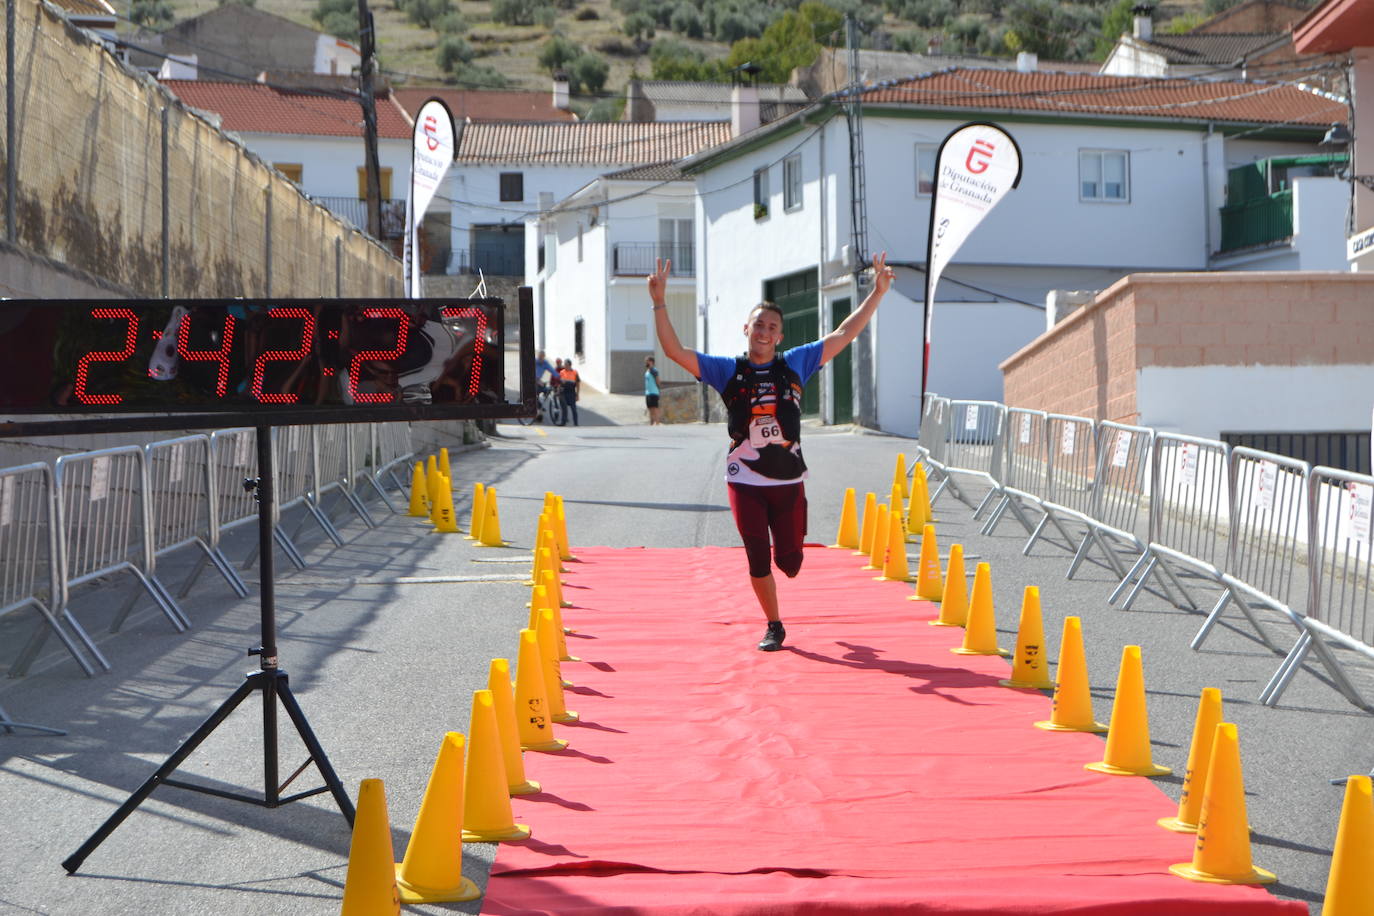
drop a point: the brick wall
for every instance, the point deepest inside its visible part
(1087, 365)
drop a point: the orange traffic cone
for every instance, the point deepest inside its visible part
(432, 870)
(1350, 883)
(1199, 758)
(1028, 668)
(491, 522)
(880, 533)
(980, 630)
(1128, 732)
(419, 494)
(543, 559)
(539, 603)
(929, 585)
(1222, 852)
(498, 682)
(532, 699)
(553, 671)
(370, 886)
(479, 508)
(868, 525)
(555, 587)
(895, 566)
(848, 534)
(487, 815)
(896, 506)
(954, 600)
(1072, 708)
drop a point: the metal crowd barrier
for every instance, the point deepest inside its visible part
(390, 449)
(102, 517)
(1123, 458)
(1266, 541)
(1341, 588)
(971, 447)
(8, 725)
(1068, 496)
(1026, 466)
(1189, 510)
(234, 460)
(295, 478)
(334, 467)
(30, 575)
(181, 492)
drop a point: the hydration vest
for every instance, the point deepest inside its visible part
(753, 387)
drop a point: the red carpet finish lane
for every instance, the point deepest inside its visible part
(863, 769)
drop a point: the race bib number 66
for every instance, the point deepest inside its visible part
(765, 431)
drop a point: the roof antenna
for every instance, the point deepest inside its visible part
(481, 291)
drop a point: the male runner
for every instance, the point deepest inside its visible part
(762, 392)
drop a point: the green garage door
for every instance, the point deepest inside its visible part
(801, 322)
(842, 367)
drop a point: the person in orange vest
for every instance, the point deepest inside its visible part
(572, 387)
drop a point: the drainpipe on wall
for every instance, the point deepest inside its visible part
(1207, 199)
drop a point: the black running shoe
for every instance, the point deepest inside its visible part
(772, 639)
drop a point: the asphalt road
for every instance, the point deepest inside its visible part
(386, 637)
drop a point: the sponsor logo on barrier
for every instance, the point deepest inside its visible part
(1361, 511)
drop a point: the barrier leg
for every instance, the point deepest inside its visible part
(8, 726)
(1081, 553)
(992, 494)
(40, 636)
(1269, 696)
(1035, 535)
(1188, 602)
(1211, 620)
(1147, 560)
(381, 491)
(289, 548)
(359, 508)
(323, 520)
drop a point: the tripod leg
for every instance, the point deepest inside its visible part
(250, 684)
(312, 744)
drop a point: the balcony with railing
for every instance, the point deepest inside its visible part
(637, 259)
(1259, 198)
(354, 211)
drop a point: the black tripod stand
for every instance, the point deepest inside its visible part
(270, 681)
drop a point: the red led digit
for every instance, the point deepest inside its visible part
(220, 356)
(355, 366)
(292, 356)
(83, 366)
(479, 343)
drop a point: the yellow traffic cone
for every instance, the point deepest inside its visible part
(539, 603)
(491, 522)
(895, 566)
(543, 559)
(546, 536)
(980, 630)
(1222, 852)
(1128, 732)
(479, 500)
(915, 519)
(868, 526)
(881, 529)
(1199, 757)
(444, 520)
(432, 870)
(559, 629)
(848, 535)
(532, 700)
(929, 585)
(1072, 708)
(560, 520)
(897, 506)
(921, 493)
(444, 467)
(419, 493)
(954, 600)
(487, 815)
(555, 587)
(899, 475)
(498, 682)
(553, 671)
(1350, 883)
(370, 886)
(1028, 667)
(431, 482)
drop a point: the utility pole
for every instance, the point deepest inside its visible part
(367, 34)
(858, 205)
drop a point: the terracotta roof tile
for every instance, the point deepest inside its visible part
(1211, 48)
(659, 171)
(1112, 96)
(623, 143)
(487, 104)
(256, 108)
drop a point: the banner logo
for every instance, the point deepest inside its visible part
(982, 149)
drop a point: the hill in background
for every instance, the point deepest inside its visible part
(603, 43)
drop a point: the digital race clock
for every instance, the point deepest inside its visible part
(280, 361)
